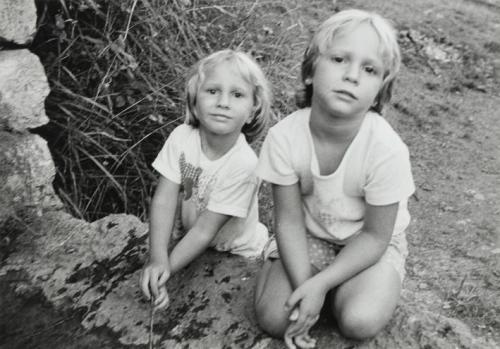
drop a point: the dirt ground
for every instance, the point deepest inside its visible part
(446, 107)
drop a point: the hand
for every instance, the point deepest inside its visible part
(153, 279)
(162, 300)
(306, 303)
(302, 340)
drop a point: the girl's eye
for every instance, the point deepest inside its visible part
(371, 70)
(212, 91)
(337, 59)
(238, 94)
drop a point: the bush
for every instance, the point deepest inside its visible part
(116, 71)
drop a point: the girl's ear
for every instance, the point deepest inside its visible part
(255, 109)
(252, 114)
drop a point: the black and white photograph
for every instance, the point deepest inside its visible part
(255, 174)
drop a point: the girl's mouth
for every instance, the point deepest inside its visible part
(345, 93)
(220, 116)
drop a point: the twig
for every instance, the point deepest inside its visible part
(457, 293)
(41, 331)
(151, 322)
(129, 20)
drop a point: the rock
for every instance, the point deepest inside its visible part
(472, 194)
(23, 89)
(211, 300)
(17, 21)
(26, 174)
(103, 250)
(479, 252)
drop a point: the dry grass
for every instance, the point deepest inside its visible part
(116, 70)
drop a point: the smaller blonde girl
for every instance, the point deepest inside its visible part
(208, 164)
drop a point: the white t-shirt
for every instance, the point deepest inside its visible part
(375, 169)
(227, 186)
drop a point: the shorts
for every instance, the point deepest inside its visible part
(321, 252)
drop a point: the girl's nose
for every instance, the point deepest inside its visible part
(223, 100)
(352, 73)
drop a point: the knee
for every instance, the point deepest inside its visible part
(359, 325)
(272, 321)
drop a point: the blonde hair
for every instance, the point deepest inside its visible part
(339, 23)
(250, 71)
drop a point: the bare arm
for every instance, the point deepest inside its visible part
(197, 239)
(365, 249)
(291, 233)
(360, 253)
(161, 219)
(162, 215)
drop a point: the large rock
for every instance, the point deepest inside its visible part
(96, 266)
(17, 21)
(23, 89)
(26, 174)
(83, 265)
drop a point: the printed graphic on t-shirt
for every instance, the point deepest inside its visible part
(325, 211)
(195, 184)
(327, 218)
(338, 215)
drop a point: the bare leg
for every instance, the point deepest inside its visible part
(272, 291)
(364, 304)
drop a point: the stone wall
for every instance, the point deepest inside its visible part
(27, 170)
(17, 21)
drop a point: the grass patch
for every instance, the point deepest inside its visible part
(117, 71)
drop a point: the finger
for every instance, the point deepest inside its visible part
(163, 303)
(294, 314)
(295, 329)
(305, 341)
(301, 342)
(309, 338)
(302, 325)
(158, 299)
(311, 342)
(163, 278)
(292, 301)
(153, 283)
(145, 284)
(289, 341)
(310, 321)
(162, 298)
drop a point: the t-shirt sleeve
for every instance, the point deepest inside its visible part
(234, 194)
(390, 179)
(275, 161)
(167, 160)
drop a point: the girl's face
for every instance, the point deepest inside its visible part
(224, 102)
(349, 74)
